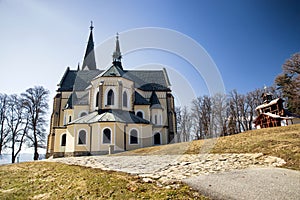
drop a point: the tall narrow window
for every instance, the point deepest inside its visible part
(97, 99)
(156, 138)
(106, 136)
(63, 140)
(82, 137)
(125, 103)
(110, 97)
(155, 119)
(70, 119)
(140, 114)
(133, 136)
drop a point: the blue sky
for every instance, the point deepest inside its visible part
(247, 40)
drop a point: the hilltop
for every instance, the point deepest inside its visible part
(282, 142)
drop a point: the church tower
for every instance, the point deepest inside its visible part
(89, 61)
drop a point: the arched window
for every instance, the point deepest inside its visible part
(157, 139)
(82, 137)
(133, 137)
(140, 114)
(125, 103)
(70, 118)
(110, 97)
(106, 136)
(82, 114)
(97, 99)
(63, 140)
(155, 119)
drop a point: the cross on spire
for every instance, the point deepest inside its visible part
(117, 56)
(89, 61)
(117, 53)
(91, 27)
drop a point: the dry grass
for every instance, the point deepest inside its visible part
(47, 180)
(283, 142)
(43, 180)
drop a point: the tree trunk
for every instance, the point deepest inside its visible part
(36, 154)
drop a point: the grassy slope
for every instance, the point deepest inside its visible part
(283, 142)
(43, 180)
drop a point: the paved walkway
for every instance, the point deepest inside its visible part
(249, 184)
(220, 176)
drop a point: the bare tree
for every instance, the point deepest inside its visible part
(36, 104)
(206, 110)
(17, 125)
(3, 124)
(196, 116)
(219, 108)
(202, 117)
(253, 99)
(235, 109)
(186, 124)
(178, 121)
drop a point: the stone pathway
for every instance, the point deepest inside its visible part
(170, 169)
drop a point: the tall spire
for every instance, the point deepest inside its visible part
(117, 56)
(89, 61)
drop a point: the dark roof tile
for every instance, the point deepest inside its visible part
(140, 100)
(146, 80)
(154, 101)
(77, 80)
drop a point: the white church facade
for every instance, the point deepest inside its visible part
(113, 110)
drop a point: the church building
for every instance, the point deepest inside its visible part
(106, 111)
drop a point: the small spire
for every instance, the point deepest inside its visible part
(78, 66)
(117, 56)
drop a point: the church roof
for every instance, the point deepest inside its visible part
(113, 71)
(110, 116)
(258, 118)
(274, 101)
(72, 98)
(140, 100)
(77, 80)
(146, 80)
(154, 101)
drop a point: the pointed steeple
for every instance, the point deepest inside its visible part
(89, 61)
(154, 101)
(117, 56)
